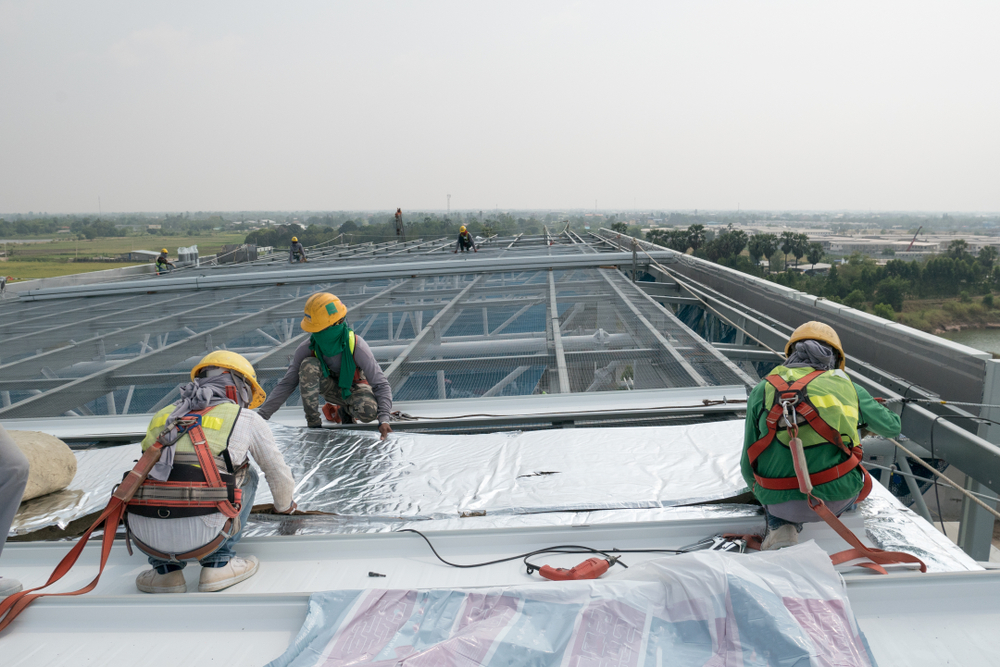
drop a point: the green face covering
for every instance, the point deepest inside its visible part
(330, 342)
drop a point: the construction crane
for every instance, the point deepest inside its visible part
(914, 239)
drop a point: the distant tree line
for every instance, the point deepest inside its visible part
(858, 281)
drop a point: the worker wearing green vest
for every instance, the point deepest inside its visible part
(812, 375)
(337, 364)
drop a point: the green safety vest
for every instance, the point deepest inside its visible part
(218, 425)
(835, 399)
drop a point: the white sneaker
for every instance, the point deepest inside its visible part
(9, 586)
(785, 536)
(151, 581)
(233, 572)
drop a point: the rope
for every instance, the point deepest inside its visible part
(936, 401)
(947, 479)
(896, 471)
(705, 403)
(705, 303)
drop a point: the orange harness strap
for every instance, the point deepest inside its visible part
(11, 607)
(804, 408)
(112, 515)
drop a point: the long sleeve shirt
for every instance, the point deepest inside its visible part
(296, 248)
(251, 435)
(364, 359)
(776, 460)
(465, 240)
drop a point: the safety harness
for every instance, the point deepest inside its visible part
(196, 487)
(208, 491)
(793, 405)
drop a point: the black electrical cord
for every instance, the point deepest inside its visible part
(557, 549)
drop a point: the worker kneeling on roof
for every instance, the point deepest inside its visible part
(338, 364)
(195, 502)
(825, 408)
(296, 253)
(465, 241)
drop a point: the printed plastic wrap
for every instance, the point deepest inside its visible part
(708, 608)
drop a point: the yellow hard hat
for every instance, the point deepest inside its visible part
(233, 362)
(462, 228)
(295, 239)
(824, 333)
(164, 250)
(322, 310)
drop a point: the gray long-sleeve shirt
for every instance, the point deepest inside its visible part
(296, 248)
(363, 357)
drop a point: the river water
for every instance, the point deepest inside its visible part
(987, 340)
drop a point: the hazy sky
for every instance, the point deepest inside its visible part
(186, 106)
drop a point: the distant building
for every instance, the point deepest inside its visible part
(140, 256)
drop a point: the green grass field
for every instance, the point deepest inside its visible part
(55, 258)
(32, 270)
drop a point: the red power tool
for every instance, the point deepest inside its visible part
(591, 568)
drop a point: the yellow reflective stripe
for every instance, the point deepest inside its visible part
(831, 401)
(159, 420)
(211, 422)
(351, 339)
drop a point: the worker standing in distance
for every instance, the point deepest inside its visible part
(338, 364)
(399, 222)
(163, 264)
(830, 409)
(465, 241)
(296, 253)
(209, 522)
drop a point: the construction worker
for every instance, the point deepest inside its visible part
(830, 409)
(296, 253)
(465, 241)
(338, 364)
(13, 480)
(163, 264)
(209, 522)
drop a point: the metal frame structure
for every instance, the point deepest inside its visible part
(552, 314)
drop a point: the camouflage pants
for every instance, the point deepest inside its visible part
(361, 406)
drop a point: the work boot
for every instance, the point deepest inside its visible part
(785, 536)
(233, 572)
(332, 413)
(151, 581)
(9, 586)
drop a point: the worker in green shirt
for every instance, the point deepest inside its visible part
(812, 393)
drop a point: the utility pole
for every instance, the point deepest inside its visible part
(449, 204)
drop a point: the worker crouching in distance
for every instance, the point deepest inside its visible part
(296, 253)
(811, 395)
(163, 264)
(195, 502)
(338, 364)
(465, 241)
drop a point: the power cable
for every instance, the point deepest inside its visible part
(609, 554)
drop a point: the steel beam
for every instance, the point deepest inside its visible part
(421, 339)
(295, 340)
(688, 368)
(367, 271)
(564, 387)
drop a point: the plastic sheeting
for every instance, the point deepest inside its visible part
(423, 476)
(780, 608)
(464, 482)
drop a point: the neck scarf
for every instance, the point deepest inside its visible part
(330, 342)
(198, 394)
(812, 354)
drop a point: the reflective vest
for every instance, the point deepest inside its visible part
(824, 405)
(202, 480)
